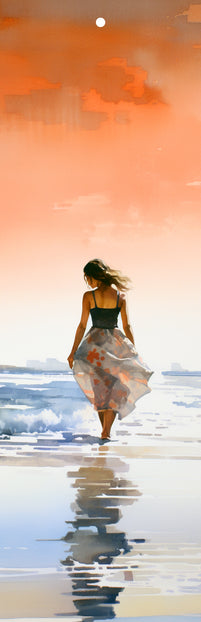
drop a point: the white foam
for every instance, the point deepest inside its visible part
(15, 406)
(42, 421)
(64, 619)
(20, 572)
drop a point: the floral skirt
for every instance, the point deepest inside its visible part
(110, 371)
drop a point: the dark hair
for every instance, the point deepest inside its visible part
(100, 271)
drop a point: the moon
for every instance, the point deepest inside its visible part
(100, 22)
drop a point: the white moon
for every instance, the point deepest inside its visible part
(100, 22)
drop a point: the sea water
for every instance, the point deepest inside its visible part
(115, 521)
(35, 404)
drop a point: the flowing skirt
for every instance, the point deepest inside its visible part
(110, 371)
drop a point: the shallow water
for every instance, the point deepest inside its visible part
(105, 529)
(43, 402)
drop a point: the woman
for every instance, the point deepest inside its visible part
(106, 365)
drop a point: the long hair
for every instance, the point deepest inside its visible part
(102, 272)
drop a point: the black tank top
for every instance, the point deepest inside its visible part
(104, 318)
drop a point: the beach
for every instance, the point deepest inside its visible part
(94, 530)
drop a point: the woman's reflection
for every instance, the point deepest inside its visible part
(94, 543)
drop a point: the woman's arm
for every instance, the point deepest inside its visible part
(81, 327)
(125, 322)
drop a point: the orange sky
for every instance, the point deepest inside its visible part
(100, 157)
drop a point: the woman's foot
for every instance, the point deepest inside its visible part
(104, 435)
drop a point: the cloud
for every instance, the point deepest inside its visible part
(117, 224)
(16, 77)
(119, 83)
(84, 201)
(62, 206)
(194, 183)
(88, 10)
(51, 75)
(193, 13)
(63, 73)
(8, 22)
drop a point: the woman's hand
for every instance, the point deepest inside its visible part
(70, 360)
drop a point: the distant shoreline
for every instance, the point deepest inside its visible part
(33, 370)
(23, 369)
(183, 372)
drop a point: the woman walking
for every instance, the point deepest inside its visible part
(106, 365)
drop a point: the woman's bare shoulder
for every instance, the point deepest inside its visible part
(87, 297)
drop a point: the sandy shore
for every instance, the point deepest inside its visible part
(101, 530)
(96, 531)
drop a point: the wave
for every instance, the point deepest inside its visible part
(40, 404)
(47, 420)
(54, 403)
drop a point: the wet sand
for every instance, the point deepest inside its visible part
(95, 531)
(120, 524)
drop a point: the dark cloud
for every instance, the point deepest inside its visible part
(131, 64)
(53, 107)
(7, 22)
(51, 69)
(112, 10)
(116, 82)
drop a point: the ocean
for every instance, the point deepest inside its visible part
(38, 403)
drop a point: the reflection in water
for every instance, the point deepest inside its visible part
(93, 542)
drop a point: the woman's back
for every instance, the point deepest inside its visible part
(105, 299)
(105, 316)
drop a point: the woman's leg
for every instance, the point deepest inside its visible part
(101, 416)
(108, 418)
